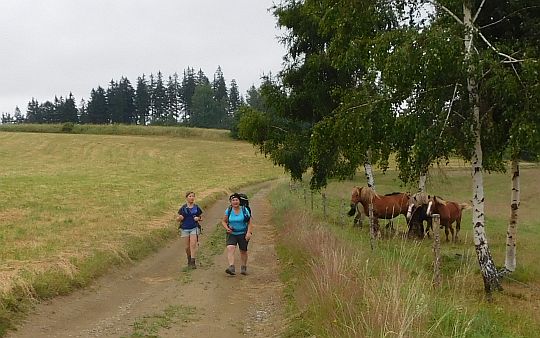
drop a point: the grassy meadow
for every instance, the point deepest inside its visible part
(72, 205)
(336, 286)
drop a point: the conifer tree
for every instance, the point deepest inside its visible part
(82, 112)
(173, 94)
(234, 97)
(159, 100)
(142, 101)
(69, 110)
(201, 78)
(188, 89)
(97, 109)
(33, 114)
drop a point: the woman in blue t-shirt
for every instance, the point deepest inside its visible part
(189, 215)
(237, 222)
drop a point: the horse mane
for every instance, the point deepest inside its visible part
(438, 199)
(420, 198)
(393, 193)
(367, 194)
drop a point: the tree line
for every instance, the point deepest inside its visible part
(192, 100)
(425, 80)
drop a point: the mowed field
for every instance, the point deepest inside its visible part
(72, 205)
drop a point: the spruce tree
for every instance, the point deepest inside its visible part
(142, 101)
(188, 89)
(33, 113)
(173, 93)
(69, 110)
(234, 97)
(97, 110)
(159, 100)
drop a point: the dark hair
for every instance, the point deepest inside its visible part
(235, 195)
(189, 192)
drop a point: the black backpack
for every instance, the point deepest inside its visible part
(244, 204)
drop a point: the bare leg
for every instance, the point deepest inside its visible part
(193, 245)
(187, 247)
(243, 257)
(230, 254)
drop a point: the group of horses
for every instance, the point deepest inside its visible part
(417, 208)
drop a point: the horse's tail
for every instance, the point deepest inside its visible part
(464, 206)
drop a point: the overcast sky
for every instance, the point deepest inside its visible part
(52, 47)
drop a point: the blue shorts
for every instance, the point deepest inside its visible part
(190, 232)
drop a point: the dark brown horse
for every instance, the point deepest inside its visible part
(417, 215)
(450, 212)
(387, 207)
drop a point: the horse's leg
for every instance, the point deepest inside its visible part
(376, 229)
(359, 218)
(458, 227)
(446, 231)
(451, 226)
(429, 228)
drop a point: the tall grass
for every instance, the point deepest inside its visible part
(338, 287)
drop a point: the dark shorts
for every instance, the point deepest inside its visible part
(238, 239)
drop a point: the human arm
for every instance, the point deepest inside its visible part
(249, 232)
(198, 217)
(224, 223)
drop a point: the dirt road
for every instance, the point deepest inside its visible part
(155, 298)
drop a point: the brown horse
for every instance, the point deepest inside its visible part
(387, 207)
(449, 212)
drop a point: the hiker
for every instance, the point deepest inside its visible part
(237, 223)
(189, 216)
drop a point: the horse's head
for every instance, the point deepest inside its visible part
(355, 198)
(433, 202)
(416, 201)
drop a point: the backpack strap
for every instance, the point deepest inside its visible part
(229, 210)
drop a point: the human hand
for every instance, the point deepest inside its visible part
(196, 218)
(229, 230)
(248, 236)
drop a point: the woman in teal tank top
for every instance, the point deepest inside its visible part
(237, 223)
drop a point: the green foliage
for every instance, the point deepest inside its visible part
(68, 127)
(384, 77)
(286, 142)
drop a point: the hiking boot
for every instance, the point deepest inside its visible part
(192, 264)
(230, 270)
(243, 270)
(188, 259)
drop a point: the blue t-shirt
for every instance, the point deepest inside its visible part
(189, 213)
(236, 221)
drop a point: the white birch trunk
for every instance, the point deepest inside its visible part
(510, 261)
(422, 182)
(487, 266)
(368, 169)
